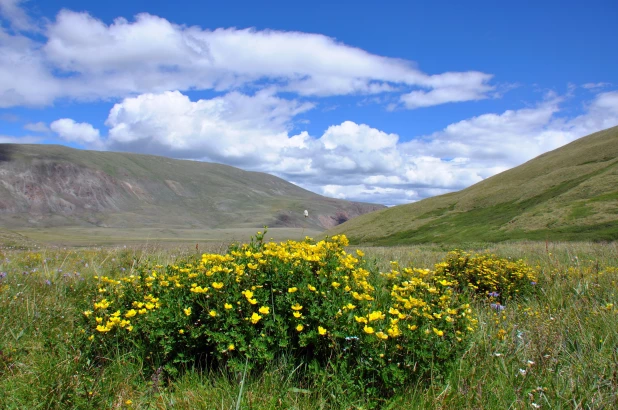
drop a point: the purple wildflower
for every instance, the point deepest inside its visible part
(2, 275)
(498, 307)
(494, 294)
(48, 282)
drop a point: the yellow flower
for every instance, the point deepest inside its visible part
(349, 306)
(311, 288)
(297, 315)
(297, 307)
(187, 311)
(412, 327)
(368, 329)
(103, 329)
(87, 313)
(264, 310)
(228, 306)
(360, 253)
(103, 304)
(255, 318)
(376, 315)
(336, 284)
(129, 328)
(91, 337)
(292, 290)
(231, 347)
(360, 319)
(299, 328)
(248, 294)
(438, 332)
(252, 301)
(381, 335)
(212, 313)
(217, 285)
(321, 331)
(394, 331)
(130, 313)
(393, 311)
(181, 331)
(142, 311)
(128, 402)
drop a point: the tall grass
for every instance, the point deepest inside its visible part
(558, 349)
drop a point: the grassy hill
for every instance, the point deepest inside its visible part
(43, 186)
(570, 193)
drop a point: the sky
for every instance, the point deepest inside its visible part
(387, 102)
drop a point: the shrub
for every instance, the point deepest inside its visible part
(312, 302)
(487, 275)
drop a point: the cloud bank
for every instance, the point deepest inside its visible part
(349, 160)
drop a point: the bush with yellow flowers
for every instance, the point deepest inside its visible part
(311, 302)
(488, 275)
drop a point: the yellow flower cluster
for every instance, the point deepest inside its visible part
(317, 291)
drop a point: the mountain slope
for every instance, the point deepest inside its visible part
(51, 185)
(570, 193)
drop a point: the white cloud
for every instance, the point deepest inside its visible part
(450, 87)
(234, 128)
(349, 160)
(82, 57)
(71, 131)
(594, 86)
(25, 78)
(6, 139)
(17, 17)
(36, 127)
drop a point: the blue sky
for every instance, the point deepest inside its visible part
(387, 103)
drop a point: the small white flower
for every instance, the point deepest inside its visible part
(522, 372)
(306, 213)
(536, 406)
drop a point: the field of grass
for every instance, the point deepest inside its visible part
(555, 349)
(92, 236)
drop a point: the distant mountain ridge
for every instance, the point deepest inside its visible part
(570, 193)
(52, 185)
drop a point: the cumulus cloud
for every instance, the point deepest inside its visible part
(72, 131)
(82, 57)
(349, 160)
(235, 128)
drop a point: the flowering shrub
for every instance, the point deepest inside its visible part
(500, 279)
(313, 302)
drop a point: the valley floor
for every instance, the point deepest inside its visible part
(556, 349)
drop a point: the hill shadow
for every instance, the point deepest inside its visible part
(5, 152)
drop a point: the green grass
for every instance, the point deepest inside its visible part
(557, 349)
(566, 194)
(170, 237)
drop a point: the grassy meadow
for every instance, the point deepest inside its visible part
(555, 348)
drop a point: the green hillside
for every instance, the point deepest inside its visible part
(48, 186)
(570, 193)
